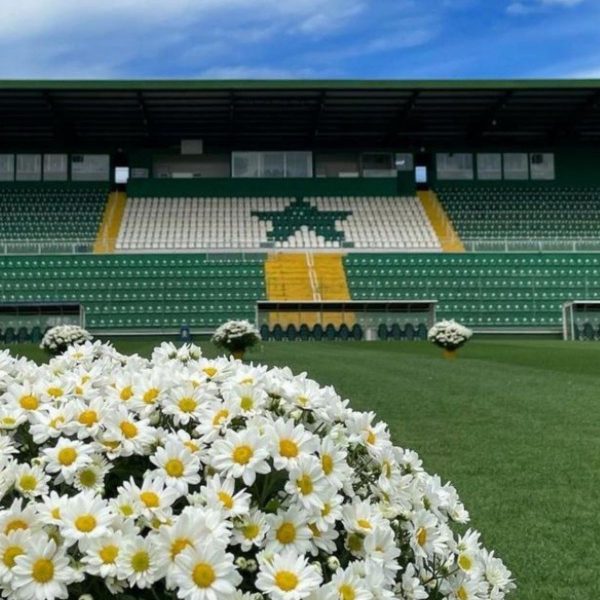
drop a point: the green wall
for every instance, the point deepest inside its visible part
(269, 187)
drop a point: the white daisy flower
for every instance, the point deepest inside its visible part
(140, 562)
(30, 480)
(67, 457)
(288, 577)
(85, 517)
(176, 465)
(42, 572)
(289, 442)
(205, 572)
(307, 483)
(241, 454)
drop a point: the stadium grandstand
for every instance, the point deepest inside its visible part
(160, 204)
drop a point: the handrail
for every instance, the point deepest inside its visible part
(86, 246)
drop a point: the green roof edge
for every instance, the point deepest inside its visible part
(299, 84)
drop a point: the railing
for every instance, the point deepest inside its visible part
(512, 245)
(21, 247)
(16, 247)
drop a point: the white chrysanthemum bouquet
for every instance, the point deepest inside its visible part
(58, 339)
(184, 477)
(449, 335)
(236, 336)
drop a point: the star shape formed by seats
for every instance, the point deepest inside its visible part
(301, 213)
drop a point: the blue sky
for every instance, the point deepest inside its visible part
(238, 39)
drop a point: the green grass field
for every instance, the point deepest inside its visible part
(514, 424)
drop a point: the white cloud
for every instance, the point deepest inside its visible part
(527, 7)
(157, 38)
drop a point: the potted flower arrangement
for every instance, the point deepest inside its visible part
(57, 339)
(450, 336)
(236, 337)
(194, 478)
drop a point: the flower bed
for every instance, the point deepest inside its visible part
(210, 479)
(236, 336)
(59, 338)
(449, 335)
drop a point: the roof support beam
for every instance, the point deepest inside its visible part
(489, 120)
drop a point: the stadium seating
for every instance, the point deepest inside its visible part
(480, 290)
(140, 291)
(51, 213)
(235, 222)
(514, 212)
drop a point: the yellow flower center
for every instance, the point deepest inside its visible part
(327, 464)
(88, 478)
(462, 593)
(88, 418)
(191, 446)
(10, 553)
(178, 546)
(286, 533)
(465, 562)
(288, 448)
(421, 536)
(355, 542)
(286, 580)
(42, 570)
(187, 404)
(305, 485)
(55, 512)
(242, 454)
(150, 499)
(85, 523)
(29, 402)
(314, 530)
(128, 429)
(151, 395)
(126, 393)
(8, 421)
(78, 390)
(203, 575)
(108, 554)
(67, 456)
(28, 483)
(140, 561)
(302, 400)
(251, 530)
(220, 417)
(226, 500)
(371, 437)
(174, 467)
(346, 592)
(54, 423)
(210, 371)
(126, 510)
(14, 525)
(326, 509)
(363, 523)
(246, 403)
(55, 392)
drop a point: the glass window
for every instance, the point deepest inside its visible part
(55, 167)
(541, 165)
(7, 167)
(489, 166)
(454, 165)
(29, 167)
(516, 165)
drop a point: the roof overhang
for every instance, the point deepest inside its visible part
(263, 114)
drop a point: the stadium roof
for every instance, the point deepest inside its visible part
(270, 114)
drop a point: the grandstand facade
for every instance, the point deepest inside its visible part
(162, 203)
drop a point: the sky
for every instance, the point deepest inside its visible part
(290, 39)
